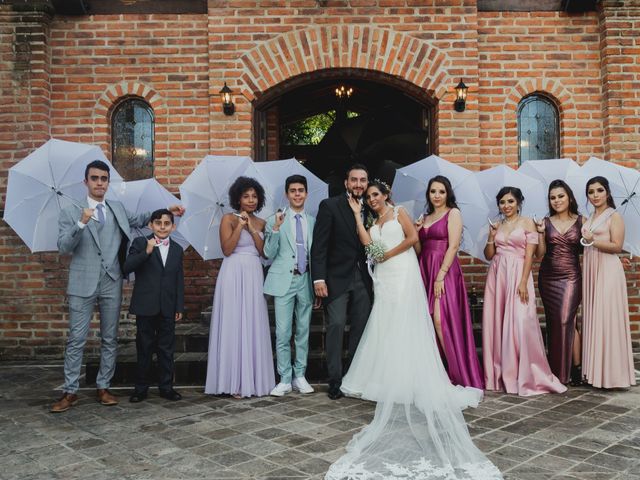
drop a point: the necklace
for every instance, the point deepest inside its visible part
(515, 219)
(384, 214)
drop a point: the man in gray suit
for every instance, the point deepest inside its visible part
(96, 236)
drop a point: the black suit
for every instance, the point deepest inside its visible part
(338, 258)
(158, 294)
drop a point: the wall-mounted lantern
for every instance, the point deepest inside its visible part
(461, 97)
(227, 100)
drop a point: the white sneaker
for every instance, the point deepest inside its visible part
(301, 385)
(281, 390)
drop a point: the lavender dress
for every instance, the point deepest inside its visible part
(240, 356)
(455, 317)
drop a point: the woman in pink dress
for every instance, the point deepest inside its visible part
(512, 346)
(607, 359)
(439, 233)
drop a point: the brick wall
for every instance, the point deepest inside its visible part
(78, 68)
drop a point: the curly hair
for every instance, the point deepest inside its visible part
(240, 186)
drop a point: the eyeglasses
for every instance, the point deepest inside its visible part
(95, 178)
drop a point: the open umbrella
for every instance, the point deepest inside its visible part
(146, 196)
(556, 169)
(625, 190)
(272, 176)
(410, 187)
(205, 196)
(43, 183)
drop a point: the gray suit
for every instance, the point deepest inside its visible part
(94, 275)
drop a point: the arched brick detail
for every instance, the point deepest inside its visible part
(111, 97)
(563, 99)
(345, 46)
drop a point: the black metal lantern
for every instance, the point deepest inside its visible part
(461, 97)
(227, 100)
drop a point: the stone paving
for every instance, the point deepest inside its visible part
(583, 434)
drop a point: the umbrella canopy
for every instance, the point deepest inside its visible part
(46, 181)
(535, 193)
(272, 176)
(557, 169)
(205, 196)
(410, 188)
(148, 195)
(625, 190)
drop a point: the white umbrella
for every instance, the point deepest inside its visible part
(410, 187)
(557, 169)
(205, 196)
(45, 182)
(625, 190)
(147, 195)
(272, 176)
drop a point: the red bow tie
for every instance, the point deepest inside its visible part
(164, 242)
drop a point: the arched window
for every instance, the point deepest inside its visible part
(538, 129)
(132, 130)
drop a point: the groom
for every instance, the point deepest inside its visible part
(340, 274)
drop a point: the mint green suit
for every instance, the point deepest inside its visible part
(292, 293)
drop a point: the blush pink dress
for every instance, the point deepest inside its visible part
(607, 358)
(512, 345)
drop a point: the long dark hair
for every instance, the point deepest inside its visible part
(605, 183)
(384, 189)
(573, 204)
(515, 191)
(451, 197)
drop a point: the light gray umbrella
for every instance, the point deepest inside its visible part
(147, 195)
(45, 182)
(205, 196)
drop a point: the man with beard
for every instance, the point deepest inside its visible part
(339, 272)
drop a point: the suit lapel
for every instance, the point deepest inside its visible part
(309, 232)
(117, 214)
(93, 230)
(347, 214)
(287, 232)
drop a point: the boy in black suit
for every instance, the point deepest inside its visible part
(157, 302)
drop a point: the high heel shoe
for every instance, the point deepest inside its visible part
(576, 376)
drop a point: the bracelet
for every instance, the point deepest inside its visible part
(490, 243)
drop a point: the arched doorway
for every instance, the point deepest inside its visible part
(380, 120)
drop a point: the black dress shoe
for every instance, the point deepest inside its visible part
(170, 395)
(137, 397)
(335, 393)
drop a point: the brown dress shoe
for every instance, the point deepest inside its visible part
(67, 401)
(105, 397)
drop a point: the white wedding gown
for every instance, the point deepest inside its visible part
(418, 431)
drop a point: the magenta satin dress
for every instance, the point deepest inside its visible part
(512, 346)
(459, 347)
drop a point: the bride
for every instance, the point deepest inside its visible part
(418, 430)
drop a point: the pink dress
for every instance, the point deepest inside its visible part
(512, 345)
(607, 359)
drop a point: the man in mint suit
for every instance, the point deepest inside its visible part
(288, 243)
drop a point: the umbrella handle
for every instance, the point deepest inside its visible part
(584, 242)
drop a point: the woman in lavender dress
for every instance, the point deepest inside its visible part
(439, 233)
(240, 357)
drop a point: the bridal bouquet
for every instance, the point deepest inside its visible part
(375, 254)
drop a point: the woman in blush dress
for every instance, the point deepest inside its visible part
(560, 281)
(439, 234)
(607, 358)
(512, 346)
(240, 356)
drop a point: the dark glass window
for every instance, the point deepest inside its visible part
(538, 129)
(132, 128)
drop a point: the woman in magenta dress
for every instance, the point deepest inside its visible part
(439, 233)
(560, 281)
(512, 346)
(240, 361)
(607, 358)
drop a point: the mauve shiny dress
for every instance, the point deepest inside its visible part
(560, 285)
